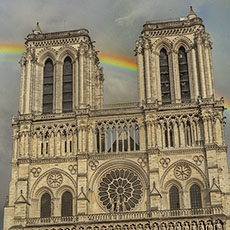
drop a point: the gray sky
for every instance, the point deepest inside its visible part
(115, 25)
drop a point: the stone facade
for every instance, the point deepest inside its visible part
(120, 162)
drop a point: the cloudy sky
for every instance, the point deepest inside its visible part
(115, 25)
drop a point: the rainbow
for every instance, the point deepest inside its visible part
(11, 52)
(118, 66)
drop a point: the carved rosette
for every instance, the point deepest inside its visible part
(120, 190)
(182, 171)
(54, 179)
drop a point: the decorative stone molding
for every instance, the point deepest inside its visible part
(198, 159)
(73, 169)
(36, 171)
(182, 171)
(93, 164)
(165, 162)
(54, 179)
(142, 161)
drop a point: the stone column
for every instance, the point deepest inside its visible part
(153, 75)
(147, 71)
(158, 78)
(194, 74)
(22, 90)
(81, 76)
(140, 67)
(201, 66)
(176, 77)
(75, 84)
(27, 82)
(57, 86)
(208, 66)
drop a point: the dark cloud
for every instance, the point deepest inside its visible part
(114, 25)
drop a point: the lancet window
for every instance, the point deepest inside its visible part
(195, 196)
(67, 89)
(174, 198)
(45, 205)
(67, 204)
(117, 136)
(47, 104)
(164, 77)
(184, 77)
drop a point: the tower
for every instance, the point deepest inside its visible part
(156, 164)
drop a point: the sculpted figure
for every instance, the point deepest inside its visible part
(201, 226)
(147, 227)
(209, 226)
(163, 227)
(193, 227)
(170, 227)
(218, 225)
(178, 226)
(186, 226)
(155, 226)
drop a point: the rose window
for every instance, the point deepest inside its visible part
(120, 190)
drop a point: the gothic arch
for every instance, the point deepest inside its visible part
(65, 51)
(171, 183)
(33, 189)
(109, 165)
(193, 181)
(162, 181)
(46, 53)
(182, 41)
(162, 43)
(43, 190)
(63, 189)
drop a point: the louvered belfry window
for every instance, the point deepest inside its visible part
(66, 204)
(184, 77)
(195, 196)
(45, 205)
(164, 76)
(67, 93)
(48, 87)
(174, 198)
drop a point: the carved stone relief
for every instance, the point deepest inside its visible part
(55, 179)
(182, 171)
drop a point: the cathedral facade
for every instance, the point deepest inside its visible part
(157, 164)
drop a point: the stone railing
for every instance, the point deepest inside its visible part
(52, 220)
(152, 215)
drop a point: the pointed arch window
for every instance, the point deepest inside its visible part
(195, 196)
(67, 92)
(46, 205)
(174, 198)
(67, 204)
(184, 77)
(47, 105)
(164, 76)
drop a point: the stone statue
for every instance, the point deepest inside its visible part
(186, 226)
(163, 227)
(209, 226)
(218, 225)
(178, 226)
(201, 226)
(194, 226)
(155, 226)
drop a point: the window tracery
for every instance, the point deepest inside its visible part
(195, 196)
(164, 77)
(47, 104)
(174, 198)
(67, 204)
(120, 190)
(117, 136)
(46, 205)
(184, 76)
(67, 85)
